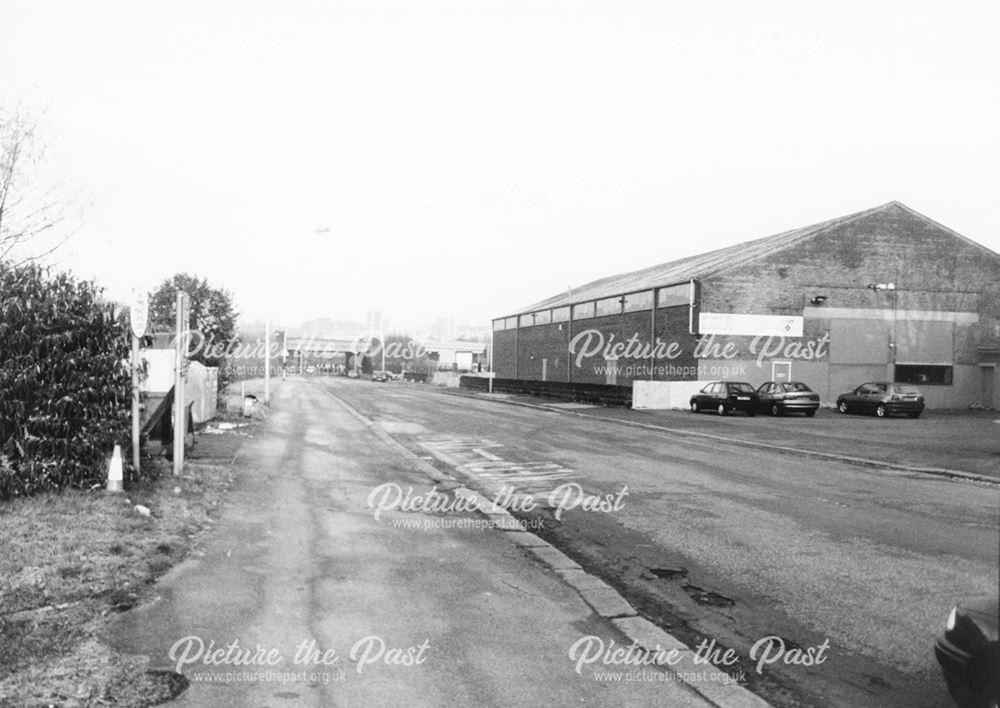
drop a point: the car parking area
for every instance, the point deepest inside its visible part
(967, 441)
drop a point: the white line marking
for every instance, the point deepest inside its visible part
(487, 455)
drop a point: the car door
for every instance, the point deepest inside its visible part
(868, 400)
(856, 399)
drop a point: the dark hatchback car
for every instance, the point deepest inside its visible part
(882, 399)
(969, 654)
(781, 397)
(724, 397)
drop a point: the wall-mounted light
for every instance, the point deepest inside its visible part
(818, 299)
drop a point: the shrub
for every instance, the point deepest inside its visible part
(64, 382)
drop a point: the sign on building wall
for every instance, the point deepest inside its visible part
(749, 325)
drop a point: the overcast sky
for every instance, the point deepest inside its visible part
(469, 158)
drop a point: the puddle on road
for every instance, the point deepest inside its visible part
(707, 597)
(669, 573)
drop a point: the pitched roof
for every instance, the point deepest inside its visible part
(723, 259)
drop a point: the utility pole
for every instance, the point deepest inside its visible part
(183, 324)
(267, 363)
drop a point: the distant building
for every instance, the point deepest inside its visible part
(442, 329)
(374, 321)
(884, 294)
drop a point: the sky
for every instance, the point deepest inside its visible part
(466, 159)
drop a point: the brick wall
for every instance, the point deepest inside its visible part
(932, 270)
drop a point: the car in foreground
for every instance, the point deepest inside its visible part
(781, 397)
(381, 376)
(969, 653)
(723, 397)
(883, 399)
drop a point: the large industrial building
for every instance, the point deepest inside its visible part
(884, 294)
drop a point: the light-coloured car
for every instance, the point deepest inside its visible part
(882, 398)
(781, 397)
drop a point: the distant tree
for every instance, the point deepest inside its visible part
(403, 353)
(32, 218)
(213, 315)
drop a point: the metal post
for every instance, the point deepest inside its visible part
(493, 338)
(135, 403)
(180, 351)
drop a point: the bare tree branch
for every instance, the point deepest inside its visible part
(28, 212)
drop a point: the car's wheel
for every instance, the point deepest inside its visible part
(842, 406)
(775, 410)
(721, 410)
(810, 414)
(881, 411)
(694, 406)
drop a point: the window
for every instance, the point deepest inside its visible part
(583, 311)
(639, 301)
(543, 317)
(674, 295)
(560, 314)
(927, 374)
(609, 306)
(526, 321)
(511, 323)
(498, 325)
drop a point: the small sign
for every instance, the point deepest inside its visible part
(139, 312)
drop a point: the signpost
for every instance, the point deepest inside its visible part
(138, 321)
(183, 323)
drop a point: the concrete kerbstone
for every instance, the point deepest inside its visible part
(606, 601)
(554, 558)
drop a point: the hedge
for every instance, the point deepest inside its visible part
(64, 382)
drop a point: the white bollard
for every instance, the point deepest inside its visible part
(115, 479)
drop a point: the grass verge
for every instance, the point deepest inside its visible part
(71, 560)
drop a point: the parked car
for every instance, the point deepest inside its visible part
(883, 399)
(969, 653)
(781, 397)
(382, 376)
(724, 397)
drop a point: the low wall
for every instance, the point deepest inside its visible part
(653, 395)
(446, 378)
(600, 394)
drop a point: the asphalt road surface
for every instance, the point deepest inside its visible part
(300, 596)
(854, 567)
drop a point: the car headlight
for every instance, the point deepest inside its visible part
(952, 617)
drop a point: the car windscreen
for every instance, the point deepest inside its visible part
(906, 389)
(795, 386)
(741, 387)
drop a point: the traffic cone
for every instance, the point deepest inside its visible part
(115, 471)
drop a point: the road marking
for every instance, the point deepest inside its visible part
(488, 455)
(470, 457)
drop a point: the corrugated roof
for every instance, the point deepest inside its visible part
(706, 264)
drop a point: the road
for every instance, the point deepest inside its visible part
(300, 596)
(731, 544)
